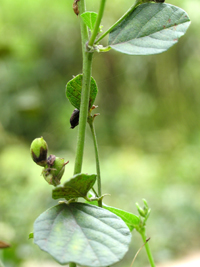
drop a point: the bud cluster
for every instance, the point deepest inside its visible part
(54, 167)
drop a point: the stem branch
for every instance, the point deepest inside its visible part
(91, 123)
(147, 247)
(119, 20)
(98, 22)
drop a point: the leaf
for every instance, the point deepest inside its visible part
(89, 19)
(73, 91)
(130, 219)
(81, 233)
(150, 29)
(31, 235)
(77, 186)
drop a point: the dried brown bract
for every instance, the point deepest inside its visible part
(75, 7)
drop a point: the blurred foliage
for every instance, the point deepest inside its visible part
(148, 131)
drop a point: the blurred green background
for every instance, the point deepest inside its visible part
(148, 130)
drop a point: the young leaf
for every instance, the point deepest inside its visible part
(73, 91)
(77, 186)
(31, 235)
(130, 219)
(150, 29)
(84, 234)
(89, 18)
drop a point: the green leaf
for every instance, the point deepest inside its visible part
(130, 219)
(73, 91)
(77, 186)
(81, 233)
(151, 28)
(89, 18)
(31, 235)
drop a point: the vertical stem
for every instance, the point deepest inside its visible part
(91, 123)
(147, 247)
(85, 93)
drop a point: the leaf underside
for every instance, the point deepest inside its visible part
(81, 233)
(77, 186)
(73, 91)
(151, 28)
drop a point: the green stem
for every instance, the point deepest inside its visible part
(117, 22)
(87, 70)
(91, 123)
(72, 264)
(147, 247)
(98, 22)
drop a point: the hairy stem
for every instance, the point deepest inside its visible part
(91, 123)
(147, 247)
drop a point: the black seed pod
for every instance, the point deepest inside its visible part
(159, 1)
(74, 120)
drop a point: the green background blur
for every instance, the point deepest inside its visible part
(148, 130)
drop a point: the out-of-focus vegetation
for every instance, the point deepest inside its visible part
(148, 131)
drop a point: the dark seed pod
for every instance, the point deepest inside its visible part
(159, 1)
(74, 120)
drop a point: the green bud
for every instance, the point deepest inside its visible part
(54, 170)
(39, 150)
(140, 210)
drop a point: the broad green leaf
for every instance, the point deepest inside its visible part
(73, 91)
(84, 234)
(130, 219)
(77, 186)
(89, 18)
(151, 28)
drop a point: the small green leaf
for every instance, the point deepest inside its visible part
(89, 18)
(150, 29)
(77, 186)
(84, 234)
(31, 235)
(130, 219)
(73, 91)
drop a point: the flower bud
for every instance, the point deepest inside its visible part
(54, 171)
(74, 120)
(39, 150)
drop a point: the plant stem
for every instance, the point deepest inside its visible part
(147, 247)
(98, 22)
(117, 22)
(72, 264)
(85, 93)
(91, 123)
